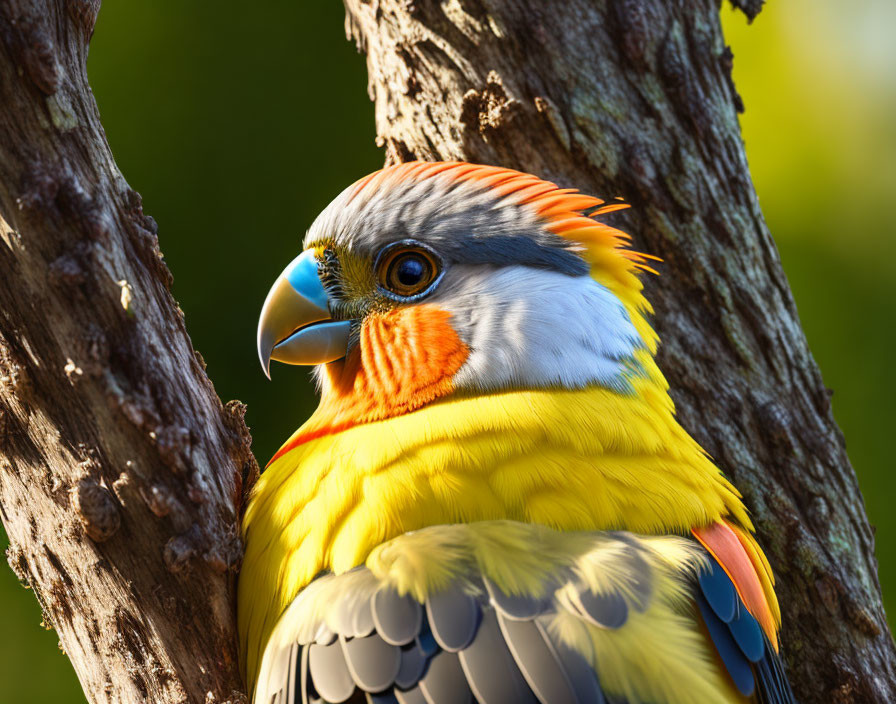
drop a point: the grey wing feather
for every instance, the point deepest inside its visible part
(538, 660)
(490, 668)
(456, 649)
(605, 610)
(362, 619)
(411, 696)
(444, 681)
(516, 606)
(299, 691)
(580, 672)
(372, 662)
(453, 617)
(329, 672)
(470, 641)
(413, 663)
(397, 618)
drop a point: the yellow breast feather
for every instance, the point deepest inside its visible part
(586, 459)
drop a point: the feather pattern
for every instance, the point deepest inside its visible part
(443, 528)
(748, 655)
(507, 624)
(586, 459)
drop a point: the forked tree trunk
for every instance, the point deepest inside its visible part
(122, 475)
(634, 98)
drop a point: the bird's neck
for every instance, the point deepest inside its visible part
(403, 360)
(587, 459)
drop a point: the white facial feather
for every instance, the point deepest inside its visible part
(533, 328)
(520, 298)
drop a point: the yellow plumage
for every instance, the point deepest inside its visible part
(588, 459)
(504, 484)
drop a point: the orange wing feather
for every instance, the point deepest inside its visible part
(726, 543)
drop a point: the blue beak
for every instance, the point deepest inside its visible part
(295, 325)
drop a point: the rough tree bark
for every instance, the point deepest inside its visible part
(121, 474)
(634, 98)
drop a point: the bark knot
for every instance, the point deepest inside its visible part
(174, 443)
(160, 500)
(181, 549)
(490, 108)
(18, 563)
(96, 508)
(27, 34)
(635, 37)
(57, 188)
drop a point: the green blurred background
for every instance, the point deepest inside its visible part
(238, 122)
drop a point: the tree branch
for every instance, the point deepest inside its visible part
(635, 98)
(121, 474)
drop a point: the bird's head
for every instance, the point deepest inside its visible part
(429, 279)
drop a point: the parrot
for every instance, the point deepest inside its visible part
(494, 501)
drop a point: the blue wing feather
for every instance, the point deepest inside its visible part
(749, 658)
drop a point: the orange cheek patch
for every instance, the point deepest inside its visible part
(405, 359)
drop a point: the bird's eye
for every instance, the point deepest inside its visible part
(407, 270)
